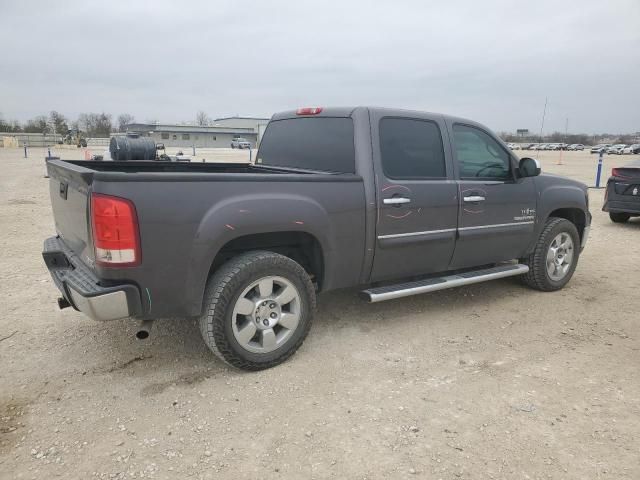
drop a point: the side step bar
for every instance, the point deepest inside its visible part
(380, 294)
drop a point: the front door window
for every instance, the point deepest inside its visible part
(479, 156)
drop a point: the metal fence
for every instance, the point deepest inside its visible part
(33, 139)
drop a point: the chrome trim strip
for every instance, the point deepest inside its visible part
(413, 234)
(479, 227)
(431, 232)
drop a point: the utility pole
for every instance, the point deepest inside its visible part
(544, 113)
(566, 133)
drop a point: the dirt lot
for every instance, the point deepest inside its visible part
(489, 381)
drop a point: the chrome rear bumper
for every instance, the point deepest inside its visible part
(83, 290)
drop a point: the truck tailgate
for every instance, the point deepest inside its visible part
(69, 190)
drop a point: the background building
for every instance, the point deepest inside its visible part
(217, 135)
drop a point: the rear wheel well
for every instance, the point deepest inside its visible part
(301, 247)
(574, 215)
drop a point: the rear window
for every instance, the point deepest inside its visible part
(320, 143)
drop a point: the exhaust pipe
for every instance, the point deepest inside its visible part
(144, 330)
(63, 303)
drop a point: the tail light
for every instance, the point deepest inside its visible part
(309, 111)
(116, 235)
(626, 172)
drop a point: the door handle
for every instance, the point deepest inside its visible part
(396, 200)
(474, 198)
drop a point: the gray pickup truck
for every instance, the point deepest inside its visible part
(397, 202)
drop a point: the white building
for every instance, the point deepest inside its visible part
(218, 134)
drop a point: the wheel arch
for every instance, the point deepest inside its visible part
(575, 215)
(300, 246)
(288, 223)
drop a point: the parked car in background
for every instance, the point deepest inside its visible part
(528, 146)
(600, 148)
(240, 143)
(616, 149)
(632, 149)
(575, 147)
(622, 196)
(513, 146)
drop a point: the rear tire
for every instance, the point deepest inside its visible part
(555, 256)
(619, 217)
(235, 303)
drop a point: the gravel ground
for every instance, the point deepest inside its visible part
(489, 381)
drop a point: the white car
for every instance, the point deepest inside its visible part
(576, 146)
(600, 148)
(631, 149)
(616, 149)
(240, 143)
(513, 146)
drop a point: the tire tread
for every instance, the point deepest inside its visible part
(218, 296)
(536, 277)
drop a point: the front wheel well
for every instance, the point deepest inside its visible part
(301, 247)
(574, 215)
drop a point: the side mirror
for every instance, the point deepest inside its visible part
(529, 167)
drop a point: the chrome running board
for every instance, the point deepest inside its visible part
(390, 292)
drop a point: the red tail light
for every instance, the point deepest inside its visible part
(309, 111)
(615, 172)
(116, 236)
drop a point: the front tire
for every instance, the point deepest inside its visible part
(258, 310)
(619, 217)
(555, 256)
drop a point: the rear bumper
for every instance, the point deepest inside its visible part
(617, 206)
(620, 203)
(86, 292)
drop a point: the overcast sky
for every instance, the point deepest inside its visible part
(492, 61)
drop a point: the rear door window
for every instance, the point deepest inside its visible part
(321, 143)
(411, 149)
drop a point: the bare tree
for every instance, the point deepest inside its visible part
(202, 119)
(124, 119)
(10, 126)
(38, 124)
(95, 124)
(59, 122)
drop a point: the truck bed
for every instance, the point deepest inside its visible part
(187, 212)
